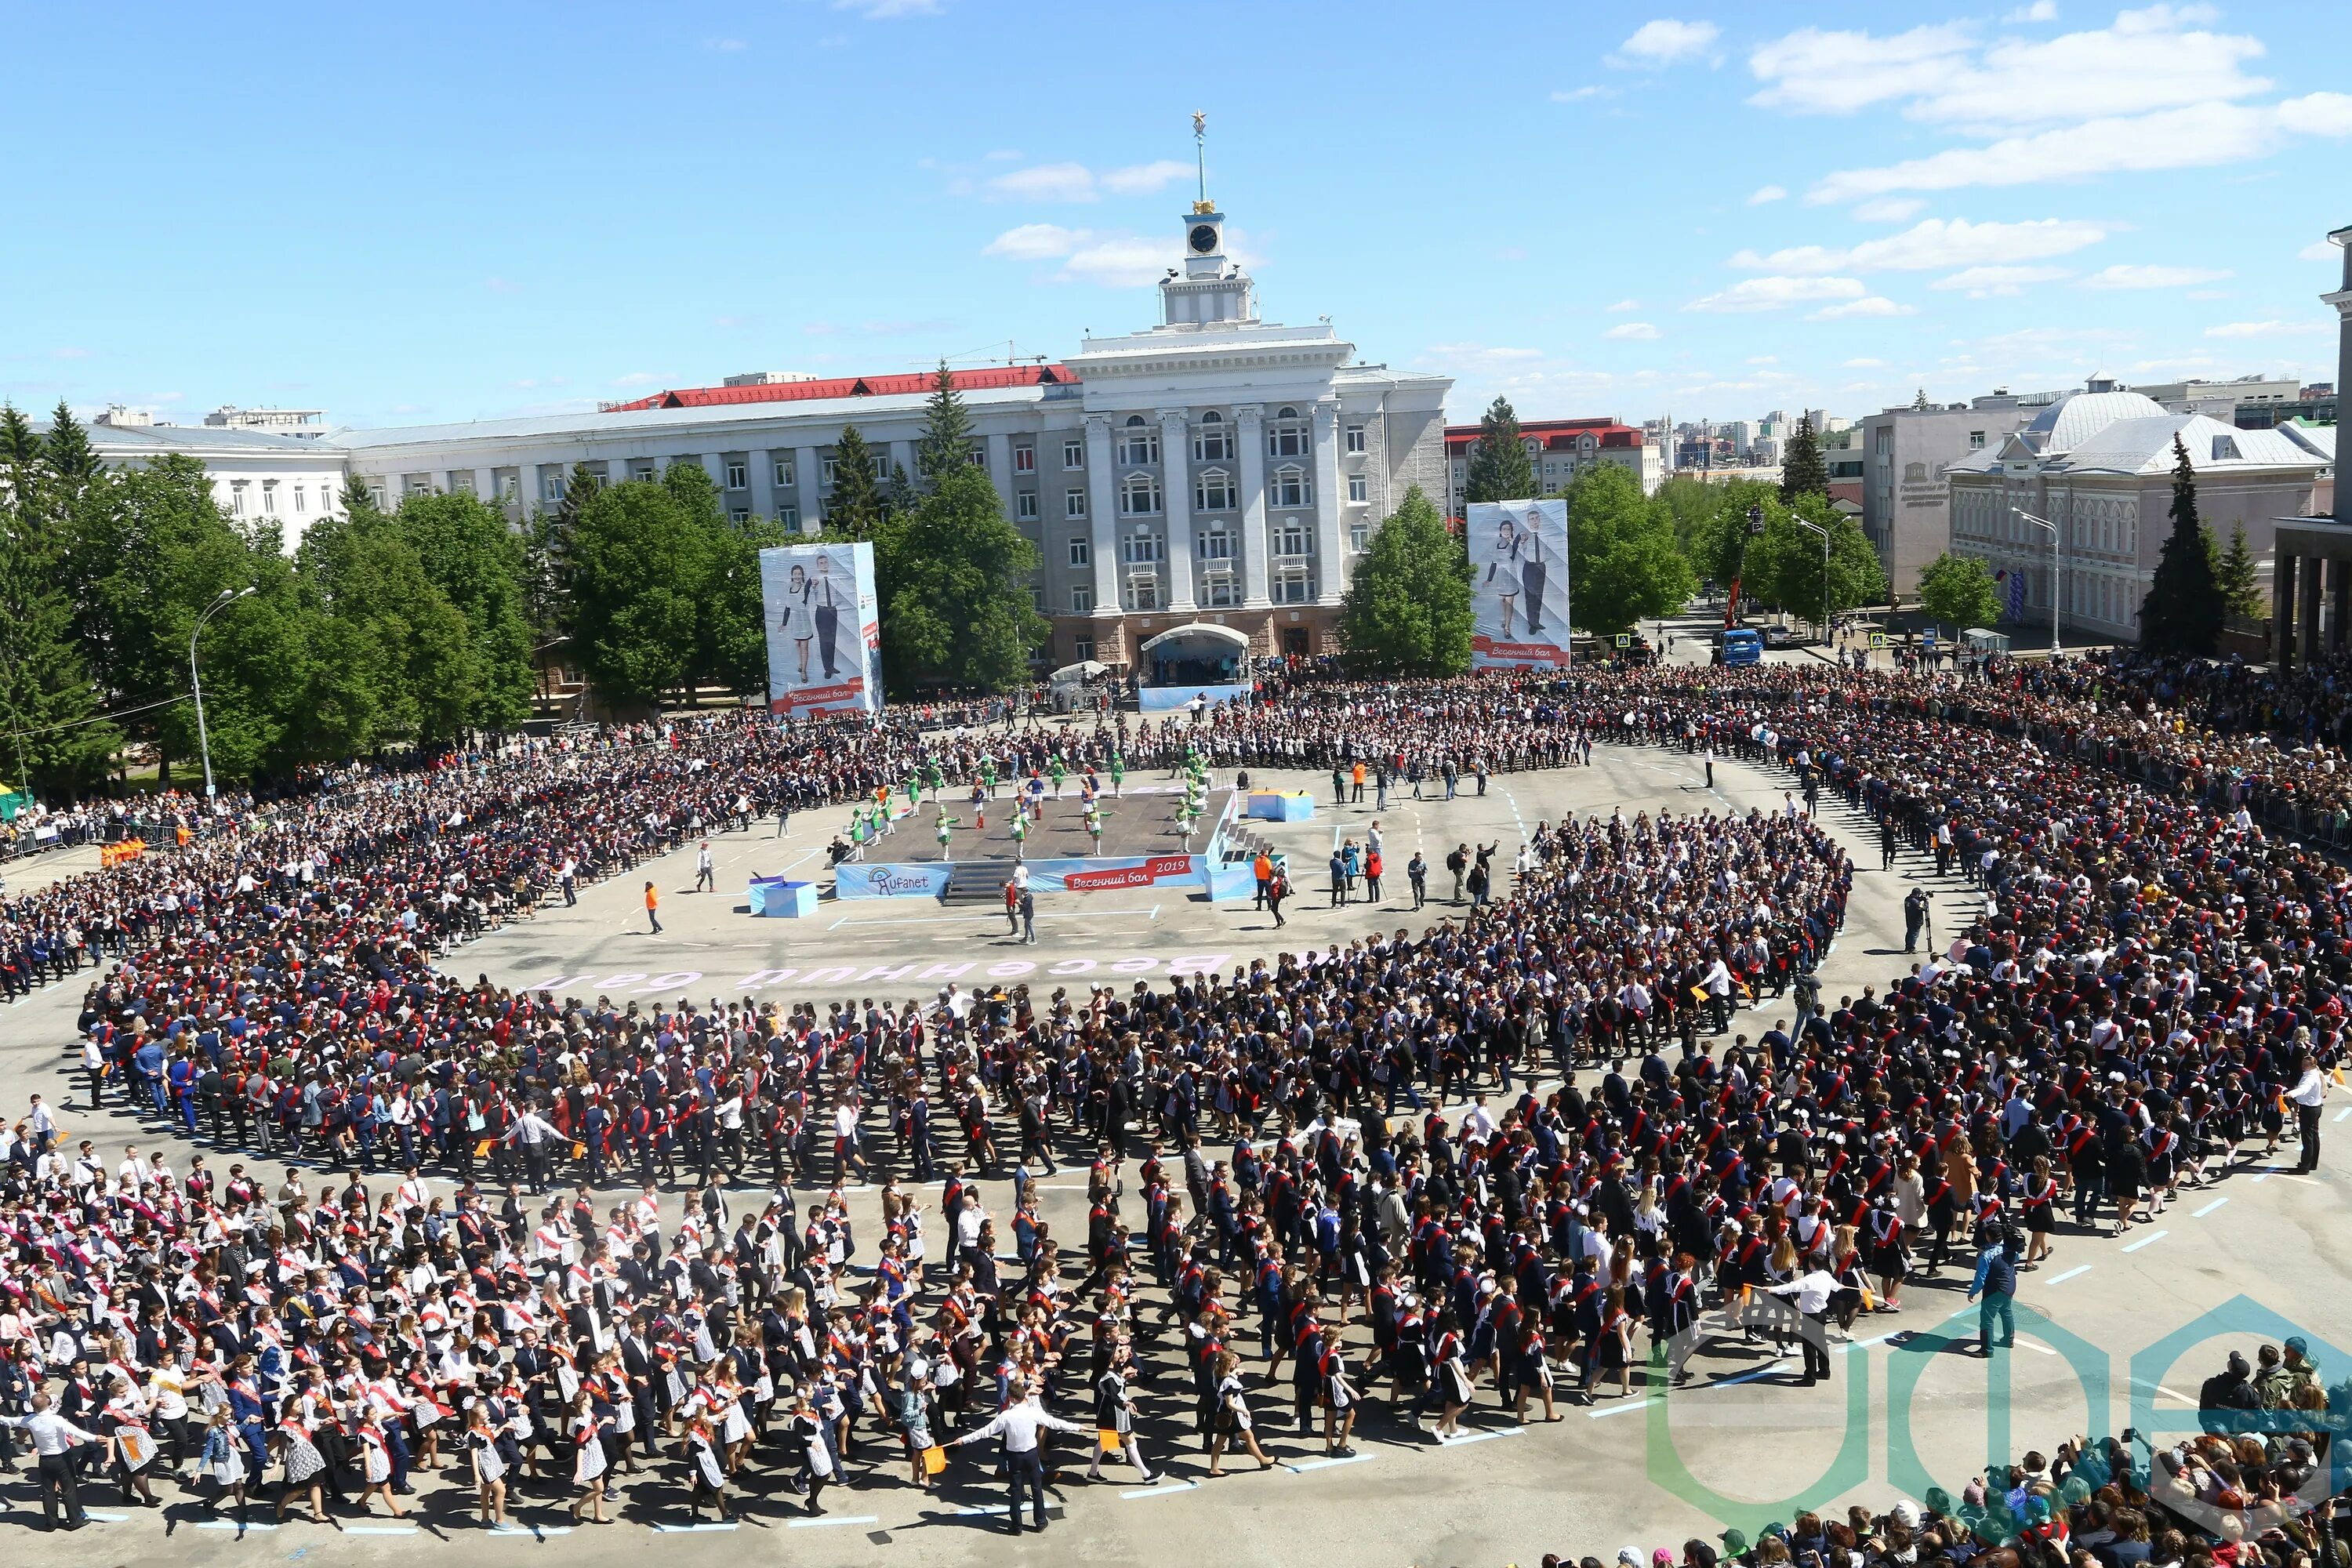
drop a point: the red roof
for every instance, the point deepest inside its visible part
(1556, 435)
(917, 382)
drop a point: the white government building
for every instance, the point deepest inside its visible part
(1216, 467)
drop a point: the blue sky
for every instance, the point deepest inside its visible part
(434, 212)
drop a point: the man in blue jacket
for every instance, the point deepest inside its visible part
(1996, 1281)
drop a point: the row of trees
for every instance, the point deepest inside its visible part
(380, 630)
(1631, 557)
(658, 591)
(419, 624)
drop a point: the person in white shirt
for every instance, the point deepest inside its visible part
(1810, 1291)
(1019, 1425)
(2309, 1093)
(52, 1436)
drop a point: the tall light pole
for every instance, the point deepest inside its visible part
(2055, 573)
(203, 742)
(1817, 528)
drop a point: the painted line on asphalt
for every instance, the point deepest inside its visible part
(530, 1531)
(695, 1529)
(2209, 1209)
(2149, 1240)
(1170, 1490)
(2071, 1273)
(2343, 1113)
(230, 1524)
(1625, 1409)
(1482, 1436)
(828, 1523)
(1767, 1370)
(104, 1517)
(998, 1509)
(379, 1529)
(1325, 1464)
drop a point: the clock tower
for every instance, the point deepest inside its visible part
(1209, 289)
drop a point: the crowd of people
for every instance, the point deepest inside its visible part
(1528, 1150)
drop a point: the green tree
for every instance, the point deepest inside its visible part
(859, 505)
(953, 579)
(637, 567)
(1802, 471)
(1500, 468)
(1958, 591)
(71, 455)
(2240, 584)
(1407, 610)
(945, 445)
(1691, 503)
(1784, 566)
(730, 638)
(401, 653)
(1720, 542)
(1623, 562)
(478, 564)
(2183, 610)
(57, 745)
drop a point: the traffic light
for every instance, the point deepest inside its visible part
(1755, 521)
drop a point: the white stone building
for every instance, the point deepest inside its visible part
(256, 476)
(1215, 466)
(2098, 463)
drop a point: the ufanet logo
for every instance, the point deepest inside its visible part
(2151, 1429)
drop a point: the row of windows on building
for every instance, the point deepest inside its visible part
(1218, 590)
(251, 498)
(2096, 523)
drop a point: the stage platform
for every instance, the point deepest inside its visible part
(1140, 822)
(1142, 847)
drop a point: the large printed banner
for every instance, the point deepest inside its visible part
(824, 629)
(1518, 583)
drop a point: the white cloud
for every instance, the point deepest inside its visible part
(2261, 328)
(1811, 71)
(1982, 282)
(2127, 275)
(1665, 42)
(1625, 305)
(1874, 305)
(1579, 94)
(1074, 182)
(1887, 209)
(643, 378)
(1045, 183)
(1035, 242)
(1934, 243)
(1120, 261)
(1767, 194)
(2039, 11)
(2145, 60)
(1642, 330)
(1142, 179)
(1764, 359)
(1865, 364)
(889, 10)
(2201, 136)
(1777, 294)
(2318, 251)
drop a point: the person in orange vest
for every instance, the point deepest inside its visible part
(1357, 780)
(653, 909)
(1263, 870)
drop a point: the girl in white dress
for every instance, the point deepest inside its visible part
(490, 1464)
(588, 1461)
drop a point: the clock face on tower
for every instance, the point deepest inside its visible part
(1203, 238)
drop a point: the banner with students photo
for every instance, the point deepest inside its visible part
(1518, 583)
(823, 629)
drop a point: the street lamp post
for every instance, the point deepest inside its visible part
(203, 742)
(2057, 574)
(1824, 532)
